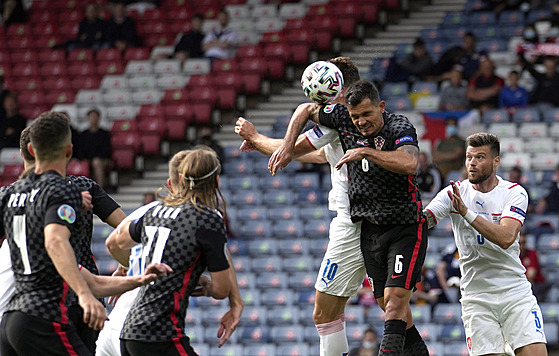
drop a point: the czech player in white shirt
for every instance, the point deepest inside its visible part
(487, 213)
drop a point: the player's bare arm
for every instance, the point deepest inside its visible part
(284, 154)
(121, 236)
(121, 255)
(57, 244)
(104, 286)
(232, 317)
(402, 161)
(503, 234)
(303, 150)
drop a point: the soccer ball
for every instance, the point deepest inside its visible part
(322, 82)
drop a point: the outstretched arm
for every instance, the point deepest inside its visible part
(284, 154)
(402, 161)
(121, 255)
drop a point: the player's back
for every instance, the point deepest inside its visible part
(27, 207)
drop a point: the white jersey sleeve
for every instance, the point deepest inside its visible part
(441, 205)
(319, 136)
(516, 204)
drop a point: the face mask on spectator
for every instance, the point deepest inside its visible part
(451, 130)
(370, 345)
(529, 34)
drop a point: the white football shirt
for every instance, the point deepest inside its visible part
(485, 267)
(7, 282)
(321, 136)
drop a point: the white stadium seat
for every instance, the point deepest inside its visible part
(147, 81)
(511, 159)
(536, 145)
(167, 66)
(532, 129)
(117, 97)
(86, 96)
(139, 67)
(166, 81)
(114, 82)
(510, 144)
(503, 129)
(544, 161)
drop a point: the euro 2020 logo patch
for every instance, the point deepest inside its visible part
(329, 108)
(67, 213)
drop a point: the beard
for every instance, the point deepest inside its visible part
(481, 177)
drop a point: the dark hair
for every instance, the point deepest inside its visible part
(419, 42)
(485, 139)
(470, 34)
(348, 68)
(50, 134)
(24, 139)
(360, 91)
(93, 111)
(514, 72)
(198, 16)
(517, 169)
(223, 11)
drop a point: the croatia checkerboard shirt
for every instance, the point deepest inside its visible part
(26, 207)
(188, 240)
(375, 193)
(485, 267)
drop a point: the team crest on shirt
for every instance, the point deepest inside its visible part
(67, 213)
(329, 108)
(379, 142)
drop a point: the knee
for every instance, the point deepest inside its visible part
(321, 316)
(396, 300)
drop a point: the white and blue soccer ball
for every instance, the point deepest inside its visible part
(322, 82)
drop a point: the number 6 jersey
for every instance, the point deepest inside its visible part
(187, 239)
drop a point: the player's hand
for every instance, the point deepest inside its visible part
(154, 271)
(355, 154)
(245, 128)
(280, 158)
(247, 147)
(86, 201)
(94, 314)
(456, 199)
(204, 287)
(228, 323)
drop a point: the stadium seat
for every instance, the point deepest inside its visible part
(136, 53)
(317, 228)
(526, 115)
(226, 350)
(533, 129)
(282, 315)
(139, 67)
(456, 348)
(292, 228)
(254, 229)
(511, 159)
(271, 263)
(196, 66)
(510, 144)
(272, 280)
(123, 158)
(447, 313)
(301, 280)
(428, 331)
(286, 333)
(260, 350)
(281, 213)
(551, 115)
(274, 182)
(281, 297)
(291, 349)
(110, 67)
(81, 69)
(310, 196)
(503, 129)
(170, 82)
(495, 116)
(278, 197)
(254, 334)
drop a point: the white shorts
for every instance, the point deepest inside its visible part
(108, 342)
(342, 270)
(491, 318)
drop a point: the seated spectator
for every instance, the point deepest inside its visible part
(516, 176)
(466, 55)
(512, 97)
(550, 203)
(534, 274)
(220, 43)
(205, 136)
(12, 12)
(428, 290)
(415, 66)
(429, 178)
(546, 90)
(190, 44)
(92, 31)
(121, 29)
(369, 344)
(12, 123)
(453, 96)
(484, 88)
(450, 152)
(448, 274)
(95, 146)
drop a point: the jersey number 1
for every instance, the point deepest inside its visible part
(20, 238)
(162, 236)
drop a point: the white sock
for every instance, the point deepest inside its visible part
(333, 340)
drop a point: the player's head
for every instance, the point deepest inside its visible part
(482, 156)
(174, 164)
(51, 137)
(365, 107)
(24, 140)
(348, 68)
(198, 180)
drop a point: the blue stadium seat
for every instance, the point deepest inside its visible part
(246, 280)
(237, 247)
(286, 333)
(394, 89)
(311, 196)
(398, 103)
(279, 181)
(242, 264)
(297, 263)
(212, 316)
(451, 33)
(210, 336)
(226, 350)
(551, 115)
(317, 228)
(292, 228)
(455, 19)
(195, 333)
(201, 349)
(318, 247)
(238, 167)
(494, 44)
(457, 348)
(307, 297)
(549, 259)
(283, 315)
(447, 313)
(429, 34)
(551, 333)
(435, 348)
(254, 316)
(421, 313)
(262, 247)
(290, 349)
(354, 314)
(243, 182)
(246, 197)
(271, 263)
(430, 88)
(315, 212)
(278, 297)
(278, 197)
(428, 331)
(495, 116)
(193, 316)
(251, 297)
(311, 334)
(547, 242)
(376, 316)
(271, 280)
(509, 17)
(293, 247)
(355, 332)
(526, 115)
(536, 15)
(280, 213)
(251, 213)
(301, 280)
(305, 180)
(452, 332)
(232, 152)
(255, 229)
(260, 350)
(483, 18)
(377, 71)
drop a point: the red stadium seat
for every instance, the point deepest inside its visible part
(151, 124)
(70, 15)
(251, 83)
(81, 55)
(176, 129)
(31, 97)
(60, 97)
(12, 170)
(78, 168)
(151, 110)
(28, 83)
(300, 36)
(33, 111)
(19, 29)
(228, 79)
(205, 94)
(25, 69)
(181, 13)
(153, 27)
(23, 56)
(138, 53)
(20, 42)
(126, 140)
(68, 30)
(256, 65)
(150, 143)
(110, 67)
(273, 37)
(226, 97)
(47, 41)
(53, 69)
(202, 112)
(182, 112)
(108, 54)
(123, 126)
(42, 16)
(293, 24)
(224, 65)
(57, 83)
(277, 50)
(82, 68)
(90, 81)
(201, 80)
(249, 51)
(52, 55)
(42, 28)
(154, 14)
(317, 10)
(123, 158)
(174, 96)
(299, 53)
(162, 39)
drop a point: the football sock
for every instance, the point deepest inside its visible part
(392, 343)
(333, 340)
(414, 346)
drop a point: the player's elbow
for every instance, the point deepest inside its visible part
(507, 242)
(221, 291)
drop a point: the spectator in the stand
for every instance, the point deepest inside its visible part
(534, 274)
(92, 31)
(12, 12)
(95, 146)
(516, 176)
(190, 44)
(554, 18)
(484, 88)
(498, 6)
(12, 123)
(205, 136)
(450, 153)
(552, 35)
(546, 90)
(550, 203)
(453, 96)
(3, 93)
(121, 29)
(429, 178)
(429, 290)
(369, 345)
(448, 273)
(465, 55)
(513, 96)
(417, 65)
(220, 43)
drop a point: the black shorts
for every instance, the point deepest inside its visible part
(177, 347)
(26, 335)
(87, 334)
(393, 254)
